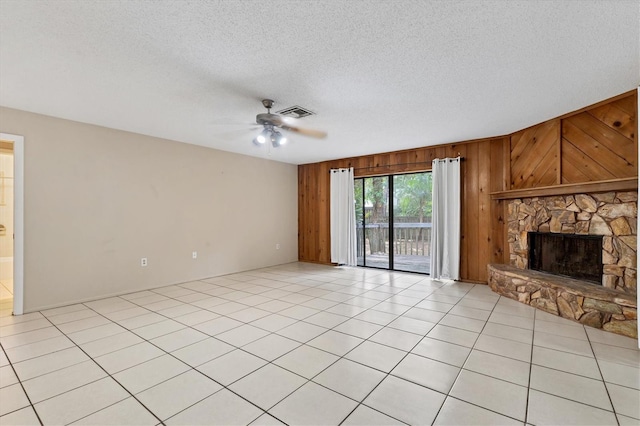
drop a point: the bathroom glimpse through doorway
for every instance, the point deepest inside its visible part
(6, 222)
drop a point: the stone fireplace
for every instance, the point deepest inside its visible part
(609, 216)
(612, 215)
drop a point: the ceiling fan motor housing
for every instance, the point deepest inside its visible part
(267, 118)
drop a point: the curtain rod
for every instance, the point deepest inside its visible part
(400, 164)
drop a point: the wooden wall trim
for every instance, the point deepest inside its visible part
(452, 149)
(626, 184)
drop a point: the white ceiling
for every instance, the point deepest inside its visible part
(381, 75)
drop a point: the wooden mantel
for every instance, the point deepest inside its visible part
(626, 184)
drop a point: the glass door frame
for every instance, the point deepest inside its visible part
(391, 216)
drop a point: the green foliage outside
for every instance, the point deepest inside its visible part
(412, 194)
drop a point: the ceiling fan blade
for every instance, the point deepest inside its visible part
(233, 124)
(233, 134)
(291, 124)
(312, 133)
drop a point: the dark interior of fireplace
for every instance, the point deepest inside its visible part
(570, 255)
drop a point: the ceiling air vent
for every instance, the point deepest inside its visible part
(295, 112)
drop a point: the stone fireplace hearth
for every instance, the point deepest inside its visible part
(579, 301)
(612, 215)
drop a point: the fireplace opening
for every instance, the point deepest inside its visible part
(570, 255)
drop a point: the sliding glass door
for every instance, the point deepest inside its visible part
(412, 222)
(393, 215)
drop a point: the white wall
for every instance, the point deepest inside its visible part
(99, 199)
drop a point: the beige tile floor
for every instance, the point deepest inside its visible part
(309, 344)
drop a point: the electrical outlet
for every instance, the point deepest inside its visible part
(143, 261)
(194, 255)
(277, 246)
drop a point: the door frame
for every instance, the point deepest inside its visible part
(391, 205)
(18, 221)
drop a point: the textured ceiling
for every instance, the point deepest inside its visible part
(381, 75)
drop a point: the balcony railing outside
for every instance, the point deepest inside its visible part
(411, 245)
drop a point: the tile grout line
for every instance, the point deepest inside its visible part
(166, 380)
(90, 359)
(448, 394)
(486, 375)
(23, 390)
(387, 374)
(471, 349)
(108, 375)
(604, 383)
(574, 374)
(533, 337)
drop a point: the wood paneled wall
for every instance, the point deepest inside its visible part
(535, 158)
(482, 219)
(596, 143)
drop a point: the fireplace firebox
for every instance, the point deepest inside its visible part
(571, 255)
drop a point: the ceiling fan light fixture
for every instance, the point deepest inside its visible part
(277, 139)
(262, 137)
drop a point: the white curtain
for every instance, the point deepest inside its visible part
(343, 217)
(445, 234)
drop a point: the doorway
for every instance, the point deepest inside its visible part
(393, 221)
(12, 221)
(6, 224)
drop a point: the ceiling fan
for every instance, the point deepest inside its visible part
(273, 122)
